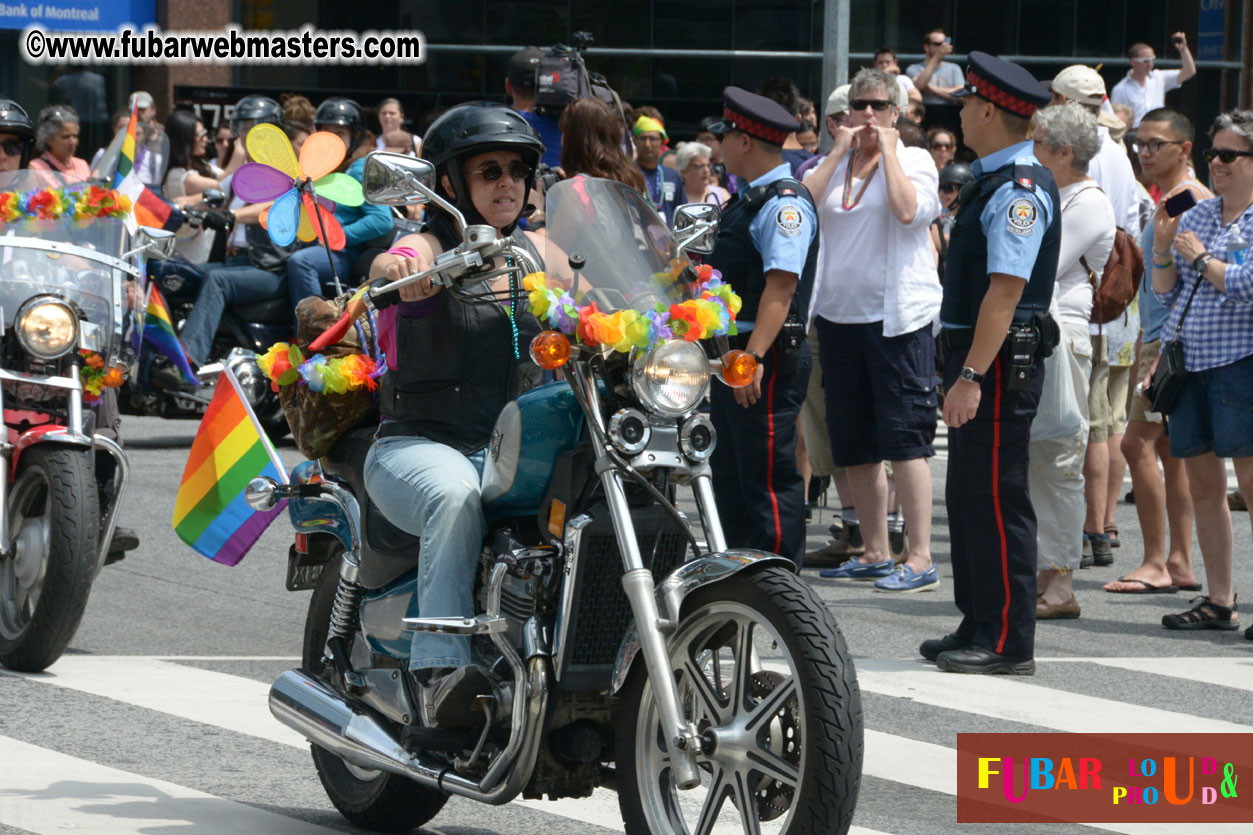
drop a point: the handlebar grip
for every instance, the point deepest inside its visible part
(384, 300)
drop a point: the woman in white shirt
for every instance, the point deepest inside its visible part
(875, 297)
(692, 160)
(1066, 140)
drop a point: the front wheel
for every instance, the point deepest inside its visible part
(53, 512)
(763, 671)
(375, 800)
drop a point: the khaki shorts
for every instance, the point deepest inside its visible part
(1149, 352)
(1107, 397)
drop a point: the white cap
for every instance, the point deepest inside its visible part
(1080, 84)
(143, 98)
(837, 102)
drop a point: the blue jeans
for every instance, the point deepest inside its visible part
(238, 282)
(431, 490)
(308, 268)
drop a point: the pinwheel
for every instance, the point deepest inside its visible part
(294, 186)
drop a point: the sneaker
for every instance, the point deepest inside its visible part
(854, 570)
(898, 544)
(447, 697)
(1248, 634)
(904, 579)
(1102, 553)
(1088, 559)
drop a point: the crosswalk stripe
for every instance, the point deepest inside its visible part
(52, 793)
(1224, 672)
(1016, 701)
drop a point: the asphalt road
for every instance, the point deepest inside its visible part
(155, 721)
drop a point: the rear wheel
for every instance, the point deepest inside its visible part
(764, 672)
(53, 512)
(372, 799)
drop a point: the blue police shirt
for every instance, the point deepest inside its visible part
(1014, 220)
(783, 228)
(549, 134)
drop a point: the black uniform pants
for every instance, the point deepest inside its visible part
(991, 520)
(757, 485)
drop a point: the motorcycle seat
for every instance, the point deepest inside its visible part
(387, 552)
(275, 311)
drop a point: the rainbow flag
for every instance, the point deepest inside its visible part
(210, 513)
(126, 161)
(159, 333)
(147, 208)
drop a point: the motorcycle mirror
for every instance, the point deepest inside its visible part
(157, 243)
(696, 226)
(262, 494)
(214, 198)
(400, 180)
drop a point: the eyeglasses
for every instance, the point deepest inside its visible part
(1227, 155)
(11, 147)
(1146, 60)
(879, 105)
(942, 146)
(648, 137)
(202, 134)
(947, 188)
(1152, 146)
(516, 170)
(936, 43)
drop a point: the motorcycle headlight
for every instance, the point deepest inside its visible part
(46, 328)
(671, 379)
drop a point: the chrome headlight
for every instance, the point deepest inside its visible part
(46, 327)
(672, 379)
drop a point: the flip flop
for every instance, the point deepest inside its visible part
(1148, 587)
(1193, 587)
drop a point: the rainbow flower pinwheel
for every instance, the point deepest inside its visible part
(276, 175)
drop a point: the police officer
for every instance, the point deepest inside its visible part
(766, 250)
(998, 281)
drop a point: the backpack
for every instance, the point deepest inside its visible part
(560, 78)
(1121, 277)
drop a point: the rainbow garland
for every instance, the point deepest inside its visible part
(83, 204)
(285, 365)
(96, 377)
(712, 314)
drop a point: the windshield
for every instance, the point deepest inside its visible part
(40, 204)
(629, 256)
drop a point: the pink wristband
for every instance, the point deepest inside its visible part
(403, 251)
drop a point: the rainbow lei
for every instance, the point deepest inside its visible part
(96, 377)
(284, 364)
(87, 203)
(711, 314)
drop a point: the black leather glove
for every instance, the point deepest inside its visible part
(219, 219)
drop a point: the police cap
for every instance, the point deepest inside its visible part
(757, 116)
(1004, 84)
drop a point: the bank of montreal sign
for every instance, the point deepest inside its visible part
(76, 15)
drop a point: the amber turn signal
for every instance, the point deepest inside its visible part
(738, 368)
(550, 350)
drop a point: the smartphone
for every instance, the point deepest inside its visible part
(948, 40)
(1180, 203)
(1177, 41)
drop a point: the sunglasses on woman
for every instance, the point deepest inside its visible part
(516, 170)
(942, 146)
(949, 188)
(11, 147)
(878, 105)
(1227, 155)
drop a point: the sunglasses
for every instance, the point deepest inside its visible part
(946, 188)
(937, 43)
(11, 147)
(517, 170)
(878, 105)
(1227, 155)
(1147, 60)
(1153, 145)
(942, 146)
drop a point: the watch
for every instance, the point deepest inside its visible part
(968, 374)
(1200, 262)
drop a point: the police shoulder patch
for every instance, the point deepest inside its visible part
(789, 220)
(1022, 216)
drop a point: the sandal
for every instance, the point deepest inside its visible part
(1112, 532)
(1204, 615)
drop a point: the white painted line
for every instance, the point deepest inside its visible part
(1222, 671)
(51, 793)
(1017, 701)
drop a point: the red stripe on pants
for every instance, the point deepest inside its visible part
(996, 501)
(774, 499)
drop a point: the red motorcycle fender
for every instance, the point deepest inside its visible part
(47, 433)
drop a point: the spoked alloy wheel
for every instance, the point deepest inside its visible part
(763, 671)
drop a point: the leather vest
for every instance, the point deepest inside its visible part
(966, 278)
(739, 261)
(457, 368)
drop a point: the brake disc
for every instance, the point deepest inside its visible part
(774, 798)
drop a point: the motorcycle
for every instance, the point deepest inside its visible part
(702, 683)
(72, 313)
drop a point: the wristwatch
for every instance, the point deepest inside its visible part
(968, 374)
(1202, 261)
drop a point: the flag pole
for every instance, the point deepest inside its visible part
(326, 244)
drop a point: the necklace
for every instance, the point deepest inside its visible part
(848, 182)
(655, 200)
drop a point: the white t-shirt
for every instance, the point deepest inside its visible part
(195, 245)
(1112, 171)
(1149, 97)
(1087, 231)
(871, 268)
(417, 143)
(905, 85)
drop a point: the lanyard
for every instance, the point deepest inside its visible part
(848, 182)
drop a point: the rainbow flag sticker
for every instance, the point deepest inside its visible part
(210, 513)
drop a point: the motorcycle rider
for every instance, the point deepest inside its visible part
(17, 136)
(309, 269)
(456, 368)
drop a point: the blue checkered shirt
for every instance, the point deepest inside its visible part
(1219, 327)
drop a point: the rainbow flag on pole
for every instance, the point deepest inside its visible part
(147, 208)
(210, 513)
(159, 333)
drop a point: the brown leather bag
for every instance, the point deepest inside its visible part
(1120, 280)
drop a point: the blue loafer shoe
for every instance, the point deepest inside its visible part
(905, 579)
(854, 570)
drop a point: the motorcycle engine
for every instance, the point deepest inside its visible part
(526, 588)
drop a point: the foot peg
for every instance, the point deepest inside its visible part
(481, 625)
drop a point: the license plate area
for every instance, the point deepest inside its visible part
(303, 570)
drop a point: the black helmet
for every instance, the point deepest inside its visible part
(13, 119)
(476, 128)
(957, 172)
(257, 110)
(342, 111)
